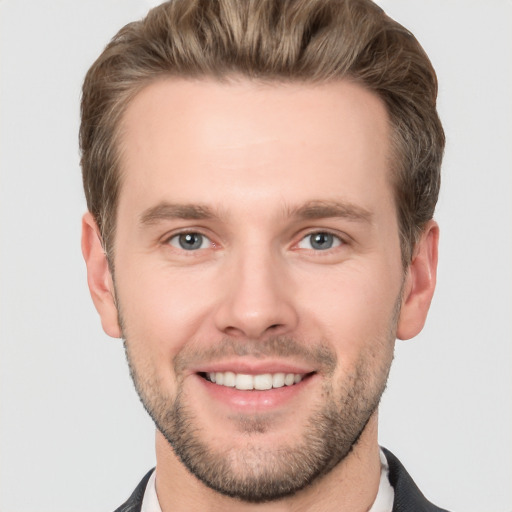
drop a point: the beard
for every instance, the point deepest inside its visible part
(258, 473)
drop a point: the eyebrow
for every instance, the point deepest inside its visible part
(331, 209)
(319, 209)
(170, 211)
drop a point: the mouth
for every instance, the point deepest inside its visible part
(258, 382)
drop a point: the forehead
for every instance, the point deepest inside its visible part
(196, 140)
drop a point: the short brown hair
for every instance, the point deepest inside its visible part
(277, 40)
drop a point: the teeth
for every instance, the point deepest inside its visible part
(244, 381)
(229, 379)
(263, 382)
(259, 382)
(289, 379)
(278, 380)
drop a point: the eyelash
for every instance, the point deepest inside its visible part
(336, 240)
(177, 236)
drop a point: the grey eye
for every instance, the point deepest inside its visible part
(189, 241)
(320, 241)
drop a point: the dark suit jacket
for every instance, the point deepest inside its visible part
(408, 498)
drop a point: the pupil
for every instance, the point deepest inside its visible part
(190, 241)
(321, 241)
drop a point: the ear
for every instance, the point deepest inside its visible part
(99, 278)
(420, 283)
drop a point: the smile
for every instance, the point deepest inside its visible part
(260, 382)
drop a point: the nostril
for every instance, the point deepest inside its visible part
(274, 329)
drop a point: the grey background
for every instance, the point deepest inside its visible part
(73, 436)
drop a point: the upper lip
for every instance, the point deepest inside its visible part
(253, 368)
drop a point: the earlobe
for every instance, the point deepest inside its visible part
(99, 278)
(420, 283)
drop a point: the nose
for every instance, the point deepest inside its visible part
(257, 297)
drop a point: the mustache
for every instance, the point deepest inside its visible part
(320, 354)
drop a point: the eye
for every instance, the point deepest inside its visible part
(320, 241)
(190, 241)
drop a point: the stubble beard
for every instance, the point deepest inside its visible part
(256, 473)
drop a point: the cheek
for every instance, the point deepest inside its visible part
(161, 312)
(355, 310)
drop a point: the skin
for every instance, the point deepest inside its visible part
(259, 158)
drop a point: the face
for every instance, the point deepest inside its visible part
(258, 277)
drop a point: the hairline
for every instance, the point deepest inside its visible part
(394, 160)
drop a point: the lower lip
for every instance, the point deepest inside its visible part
(255, 400)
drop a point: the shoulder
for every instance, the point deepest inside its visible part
(407, 495)
(134, 502)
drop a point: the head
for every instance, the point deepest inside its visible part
(261, 179)
(310, 41)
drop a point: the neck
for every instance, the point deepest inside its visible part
(351, 485)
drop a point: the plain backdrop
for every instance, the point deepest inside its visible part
(73, 436)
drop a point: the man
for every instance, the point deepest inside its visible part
(261, 178)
